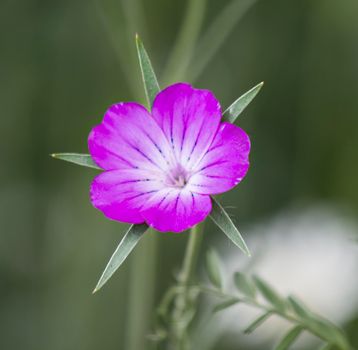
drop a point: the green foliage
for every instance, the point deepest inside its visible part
(321, 326)
(257, 322)
(150, 81)
(289, 338)
(126, 245)
(223, 221)
(298, 308)
(231, 113)
(270, 294)
(225, 304)
(76, 158)
(244, 285)
(213, 268)
(290, 308)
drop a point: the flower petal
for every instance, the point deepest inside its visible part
(225, 164)
(176, 210)
(189, 118)
(120, 194)
(128, 138)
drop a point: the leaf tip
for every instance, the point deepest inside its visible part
(246, 250)
(137, 39)
(97, 288)
(256, 89)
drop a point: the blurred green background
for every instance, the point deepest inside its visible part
(64, 62)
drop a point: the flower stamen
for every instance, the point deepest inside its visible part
(177, 177)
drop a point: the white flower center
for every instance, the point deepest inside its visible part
(177, 177)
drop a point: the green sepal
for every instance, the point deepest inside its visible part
(150, 81)
(81, 159)
(223, 221)
(125, 246)
(231, 113)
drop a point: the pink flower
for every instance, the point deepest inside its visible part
(161, 167)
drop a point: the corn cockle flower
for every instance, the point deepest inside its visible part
(161, 167)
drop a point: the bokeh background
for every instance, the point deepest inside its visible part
(62, 63)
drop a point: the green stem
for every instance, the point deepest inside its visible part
(288, 316)
(181, 54)
(191, 255)
(216, 35)
(120, 21)
(140, 305)
(182, 302)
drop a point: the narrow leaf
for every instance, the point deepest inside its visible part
(241, 103)
(289, 338)
(223, 221)
(270, 294)
(329, 332)
(258, 322)
(225, 304)
(126, 245)
(77, 158)
(244, 285)
(299, 309)
(320, 326)
(150, 81)
(213, 268)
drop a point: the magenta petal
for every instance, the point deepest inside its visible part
(176, 210)
(120, 194)
(129, 137)
(161, 168)
(225, 164)
(189, 118)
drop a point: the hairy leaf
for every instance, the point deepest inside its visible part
(258, 322)
(223, 221)
(244, 285)
(226, 304)
(126, 245)
(289, 338)
(319, 325)
(213, 268)
(270, 294)
(328, 331)
(299, 309)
